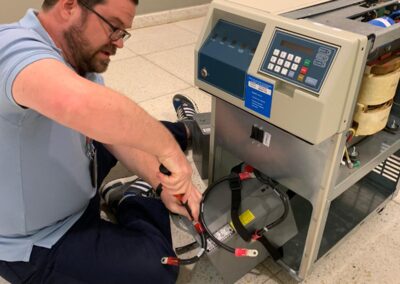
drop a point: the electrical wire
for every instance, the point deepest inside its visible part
(176, 261)
(202, 219)
(284, 198)
(205, 232)
(282, 195)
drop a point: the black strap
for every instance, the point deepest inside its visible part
(236, 186)
(275, 252)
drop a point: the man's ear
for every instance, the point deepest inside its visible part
(68, 8)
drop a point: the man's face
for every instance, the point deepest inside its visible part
(89, 39)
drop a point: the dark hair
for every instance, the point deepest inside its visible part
(47, 4)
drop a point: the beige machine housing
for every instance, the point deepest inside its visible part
(313, 117)
(306, 133)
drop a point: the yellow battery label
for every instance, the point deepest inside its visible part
(245, 218)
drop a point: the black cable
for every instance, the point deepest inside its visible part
(180, 261)
(203, 242)
(202, 220)
(282, 195)
(195, 258)
(187, 248)
(284, 198)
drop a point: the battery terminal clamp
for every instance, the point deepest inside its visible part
(240, 252)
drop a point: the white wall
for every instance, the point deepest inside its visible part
(12, 10)
(151, 6)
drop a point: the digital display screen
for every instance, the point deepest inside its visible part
(297, 47)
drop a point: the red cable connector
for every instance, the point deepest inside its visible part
(256, 236)
(246, 175)
(240, 252)
(199, 228)
(248, 169)
(170, 261)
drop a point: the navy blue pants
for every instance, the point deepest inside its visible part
(97, 251)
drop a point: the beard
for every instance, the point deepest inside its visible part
(85, 58)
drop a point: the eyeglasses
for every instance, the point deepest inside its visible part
(116, 33)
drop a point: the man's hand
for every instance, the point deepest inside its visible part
(180, 179)
(193, 197)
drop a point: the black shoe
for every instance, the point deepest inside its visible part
(114, 192)
(185, 108)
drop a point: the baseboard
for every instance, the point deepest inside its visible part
(170, 16)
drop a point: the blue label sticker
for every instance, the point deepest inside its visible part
(258, 95)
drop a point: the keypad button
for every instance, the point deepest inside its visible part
(283, 54)
(271, 66)
(274, 59)
(303, 70)
(290, 57)
(280, 61)
(297, 59)
(294, 67)
(291, 74)
(276, 52)
(287, 64)
(277, 69)
(284, 71)
(307, 62)
(311, 81)
(300, 78)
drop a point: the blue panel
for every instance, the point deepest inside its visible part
(226, 55)
(299, 60)
(259, 96)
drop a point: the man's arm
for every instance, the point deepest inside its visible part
(52, 89)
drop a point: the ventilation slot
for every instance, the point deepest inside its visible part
(390, 168)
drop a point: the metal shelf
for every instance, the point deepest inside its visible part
(373, 151)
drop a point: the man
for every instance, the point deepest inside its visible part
(52, 107)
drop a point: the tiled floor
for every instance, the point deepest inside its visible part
(159, 62)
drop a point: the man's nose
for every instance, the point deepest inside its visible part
(119, 43)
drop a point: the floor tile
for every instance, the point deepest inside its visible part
(178, 61)
(273, 280)
(141, 80)
(194, 25)
(202, 273)
(378, 263)
(272, 265)
(159, 38)
(397, 198)
(123, 53)
(162, 108)
(257, 275)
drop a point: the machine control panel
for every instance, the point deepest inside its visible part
(301, 61)
(226, 55)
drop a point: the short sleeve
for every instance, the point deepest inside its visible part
(18, 49)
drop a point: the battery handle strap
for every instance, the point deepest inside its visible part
(236, 188)
(276, 253)
(235, 185)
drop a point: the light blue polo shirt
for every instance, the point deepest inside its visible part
(44, 171)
